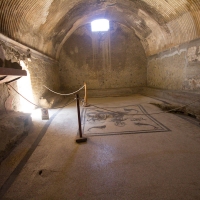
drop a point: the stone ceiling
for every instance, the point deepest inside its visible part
(45, 25)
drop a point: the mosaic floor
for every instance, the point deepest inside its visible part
(130, 119)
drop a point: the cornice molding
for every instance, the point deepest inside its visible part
(16, 51)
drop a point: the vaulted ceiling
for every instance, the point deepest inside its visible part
(45, 25)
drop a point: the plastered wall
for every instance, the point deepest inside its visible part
(111, 60)
(176, 69)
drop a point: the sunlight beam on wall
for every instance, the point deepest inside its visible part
(25, 89)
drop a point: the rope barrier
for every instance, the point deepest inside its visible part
(149, 113)
(64, 94)
(23, 96)
(36, 104)
(175, 109)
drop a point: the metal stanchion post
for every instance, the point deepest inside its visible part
(85, 104)
(80, 138)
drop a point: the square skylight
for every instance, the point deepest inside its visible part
(100, 25)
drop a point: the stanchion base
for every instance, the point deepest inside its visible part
(86, 105)
(80, 140)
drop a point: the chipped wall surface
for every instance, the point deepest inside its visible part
(9, 99)
(192, 75)
(114, 59)
(176, 69)
(3, 96)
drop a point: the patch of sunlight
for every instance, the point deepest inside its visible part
(25, 89)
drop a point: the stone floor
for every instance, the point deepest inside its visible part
(148, 163)
(14, 126)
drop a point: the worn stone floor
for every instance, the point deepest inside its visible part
(148, 164)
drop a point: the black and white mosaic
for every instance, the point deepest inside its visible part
(130, 119)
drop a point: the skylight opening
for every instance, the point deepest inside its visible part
(100, 25)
